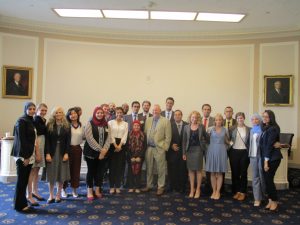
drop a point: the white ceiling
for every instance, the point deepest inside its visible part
(262, 16)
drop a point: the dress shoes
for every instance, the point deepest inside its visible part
(146, 189)
(160, 191)
(38, 197)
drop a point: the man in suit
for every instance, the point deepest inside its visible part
(229, 121)
(177, 171)
(207, 121)
(15, 87)
(146, 105)
(277, 95)
(168, 113)
(158, 131)
(135, 108)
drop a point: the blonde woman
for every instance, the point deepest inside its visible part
(57, 152)
(216, 157)
(193, 145)
(40, 126)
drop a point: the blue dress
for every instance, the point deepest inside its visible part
(216, 157)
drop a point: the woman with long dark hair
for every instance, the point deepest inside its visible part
(271, 155)
(77, 134)
(24, 153)
(119, 133)
(95, 152)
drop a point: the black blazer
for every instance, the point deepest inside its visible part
(163, 113)
(24, 140)
(176, 139)
(267, 141)
(203, 137)
(233, 122)
(52, 137)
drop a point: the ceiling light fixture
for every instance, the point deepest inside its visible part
(88, 13)
(166, 15)
(126, 14)
(220, 17)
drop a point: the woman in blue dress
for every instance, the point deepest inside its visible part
(216, 158)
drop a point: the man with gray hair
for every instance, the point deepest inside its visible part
(158, 131)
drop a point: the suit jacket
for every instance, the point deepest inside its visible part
(203, 137)
(267, 141)
(141, 114)
(162, 132)
(129, 120)
(276, 98)
(14, 89)
(233, 134)
(24, 140)
(163, 113)
(211, 122)
(233, 122)
(64, 139)
(176, 139)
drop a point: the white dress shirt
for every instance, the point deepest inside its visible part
(118, 130)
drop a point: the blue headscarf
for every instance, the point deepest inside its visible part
(256, 128)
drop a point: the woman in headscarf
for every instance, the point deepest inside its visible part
(24, 153)
(95, 152)
(258, 184)
(137, 145)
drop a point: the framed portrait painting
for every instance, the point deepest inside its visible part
(17, 82)
(278, 90)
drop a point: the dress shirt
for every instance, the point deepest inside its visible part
(168, 114)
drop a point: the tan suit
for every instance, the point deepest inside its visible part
(162, 135)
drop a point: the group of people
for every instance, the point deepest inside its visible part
(117, 143)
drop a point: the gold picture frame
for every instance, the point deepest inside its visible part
(17, 82)
(278, 90)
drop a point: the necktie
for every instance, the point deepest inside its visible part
(205, 122)
(228, 124)
(168, 115)
(134, 116)
(179, 128)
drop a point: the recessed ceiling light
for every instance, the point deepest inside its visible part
(165, 15)
(126, 14)
(220, 17)
(89, 13)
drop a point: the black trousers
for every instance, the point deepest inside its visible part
(116, 166)
(23, 172)
(95, 172)
(269, 179)
(239, 162)
(177, 173)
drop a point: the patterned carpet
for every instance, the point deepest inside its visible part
(138, 209)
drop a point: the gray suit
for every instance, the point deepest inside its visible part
(162, 135)
(129, 120)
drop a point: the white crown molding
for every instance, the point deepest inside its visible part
(92, 32)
